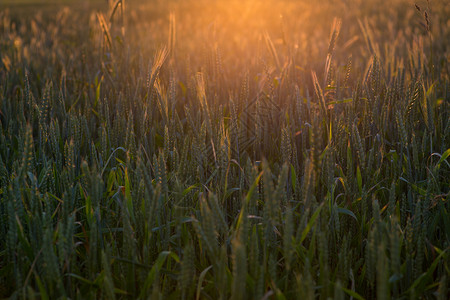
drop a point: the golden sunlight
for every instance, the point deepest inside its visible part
(224, 149)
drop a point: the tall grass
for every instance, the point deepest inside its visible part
(220, 151)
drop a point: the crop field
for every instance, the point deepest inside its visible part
(225, 149)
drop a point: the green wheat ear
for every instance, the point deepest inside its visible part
(28, 152)
(187, 272)
(239, 256)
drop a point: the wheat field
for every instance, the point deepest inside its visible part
(224, 149)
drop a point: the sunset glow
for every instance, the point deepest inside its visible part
(224, 149)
